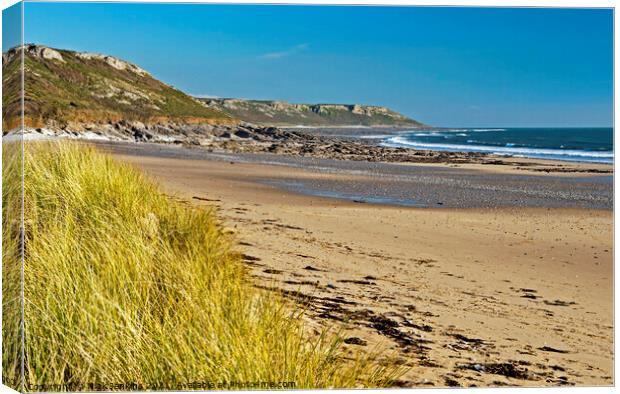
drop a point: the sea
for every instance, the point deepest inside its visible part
(583, 144)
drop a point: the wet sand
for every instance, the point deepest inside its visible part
(427, 185)
(514, 293)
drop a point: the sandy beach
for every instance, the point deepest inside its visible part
(513, 286)
(301, 196)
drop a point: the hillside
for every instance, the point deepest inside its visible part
(280, 113)
(67, 89)
(87, 95)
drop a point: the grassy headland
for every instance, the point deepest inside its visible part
(62, 87)
(125, 285)
(81, 91)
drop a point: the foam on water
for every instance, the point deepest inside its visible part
(571, 144)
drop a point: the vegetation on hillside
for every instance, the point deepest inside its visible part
(67, 89)
(124, 285)
(81, 88)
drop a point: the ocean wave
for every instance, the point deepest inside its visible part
(376, 136)
(560, 154)
(434, 134)
(441, 132)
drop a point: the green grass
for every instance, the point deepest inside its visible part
(124, 285)
(91, 91)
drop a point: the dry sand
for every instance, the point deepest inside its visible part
(505, 296)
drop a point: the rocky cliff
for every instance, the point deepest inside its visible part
(281, 113)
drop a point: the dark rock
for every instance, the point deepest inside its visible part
(509, 370)
(451, 382)
(551, 349)
(355, 341)
(242, 134)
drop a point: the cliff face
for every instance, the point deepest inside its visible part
(66, 89)
(281, 113)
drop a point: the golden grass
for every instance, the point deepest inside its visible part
(123, 285)
(11, 264)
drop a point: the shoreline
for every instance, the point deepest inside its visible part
(251, 139)
(406, 184)
(407, 280)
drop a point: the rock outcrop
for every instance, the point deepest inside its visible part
(282, 113)
(112, 61)
(39, 51)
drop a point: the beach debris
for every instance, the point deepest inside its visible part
(338, 300)
(251, 260)
(355, 341)
(330, 286)
(529, 293)
(388, 327)
(463, 338)
(551, 349)
(425, 261)
(560, 303)
(426, 362)
(451, 382)
(206, 199)
(508, 369)
(421, 327)
(247, 257)
(303, 282)
(287, 226)
(356, 281)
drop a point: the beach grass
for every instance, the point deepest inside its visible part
(126, 286)
(11, 264)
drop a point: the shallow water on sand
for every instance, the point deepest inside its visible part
(406, 185)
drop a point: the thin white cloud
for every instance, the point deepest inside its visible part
(291, 51)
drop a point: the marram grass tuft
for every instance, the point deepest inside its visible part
(125, 286)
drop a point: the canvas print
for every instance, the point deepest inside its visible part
(281, 197)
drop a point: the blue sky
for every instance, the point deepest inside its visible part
(11, 26)
(443, 66)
